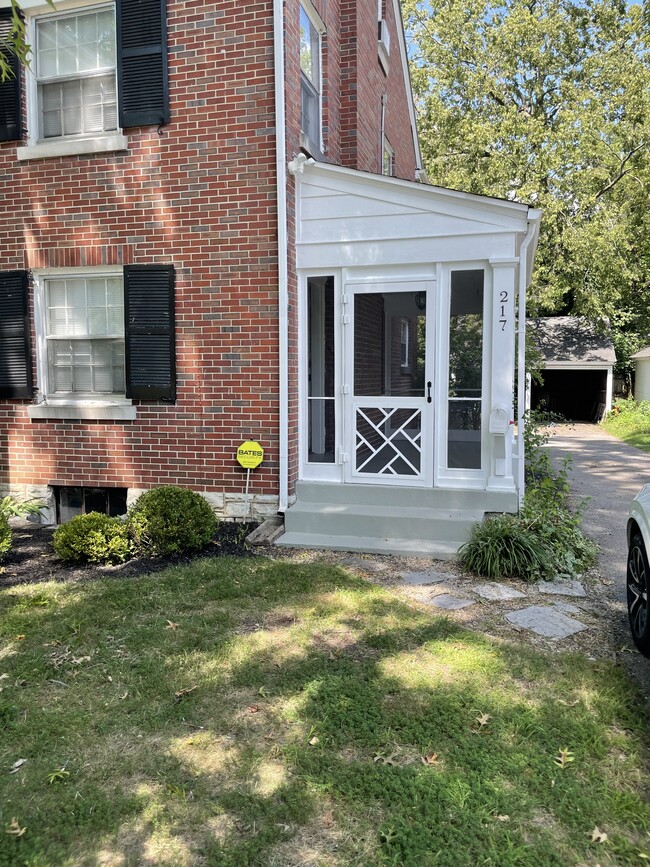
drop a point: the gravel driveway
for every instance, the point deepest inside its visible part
(610, 473)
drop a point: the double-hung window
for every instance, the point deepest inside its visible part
(105, 335)
(310, 77)
(75, 70)
(84, 336)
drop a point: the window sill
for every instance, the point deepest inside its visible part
(73, 147)
(312, 149)
(89, 410)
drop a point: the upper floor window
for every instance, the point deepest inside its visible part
(76, 73)
(311, 29)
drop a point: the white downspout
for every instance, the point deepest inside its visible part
(382, 134)
(525, 269)
(283, 268)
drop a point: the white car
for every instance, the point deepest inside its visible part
(638, 569)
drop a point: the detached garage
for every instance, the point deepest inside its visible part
(577, 365)
(642, 374)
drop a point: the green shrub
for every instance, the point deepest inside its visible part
(503, 547)
(549, 513)
(631, 407)
(92, 538)
(5, 537)
(171, 520)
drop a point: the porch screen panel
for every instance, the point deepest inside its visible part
(389, 388)
(465, 404)
(320, 393)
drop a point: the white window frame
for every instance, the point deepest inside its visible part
(387, 151)
(36, 147)
(115, 407)
(320, 28)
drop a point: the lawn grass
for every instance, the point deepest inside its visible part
(240, 712)
(630, 422)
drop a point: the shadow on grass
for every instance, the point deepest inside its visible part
(255, 712)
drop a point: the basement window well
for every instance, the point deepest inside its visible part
(72, 501)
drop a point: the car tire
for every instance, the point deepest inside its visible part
(638, 580)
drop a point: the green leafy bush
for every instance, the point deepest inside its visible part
(171, 520)
(549, 513)
(92, 538)
(630, 422)
(5, 537)
(503, 547)
(630, 407)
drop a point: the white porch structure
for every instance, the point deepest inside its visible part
(408, 299)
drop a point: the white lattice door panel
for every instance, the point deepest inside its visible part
(388, 441)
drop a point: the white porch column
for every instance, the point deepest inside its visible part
(502, 374)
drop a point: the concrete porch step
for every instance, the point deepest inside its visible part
(415, 497)
(371, 545)
(448, 526)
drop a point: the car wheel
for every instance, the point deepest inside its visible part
(638, 578)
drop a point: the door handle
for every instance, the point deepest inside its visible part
(428, 392)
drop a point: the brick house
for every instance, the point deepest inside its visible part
(213, 229)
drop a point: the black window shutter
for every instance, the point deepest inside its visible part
(149, 332)
(15, 349)
(142, 62)
(11, 126)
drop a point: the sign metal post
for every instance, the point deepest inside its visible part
(250, 455)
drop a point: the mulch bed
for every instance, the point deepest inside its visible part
(32, 559)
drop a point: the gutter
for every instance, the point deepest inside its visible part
(526, 258)
(283, 264)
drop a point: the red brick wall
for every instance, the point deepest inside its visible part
(353, 85)
(369, 349)
(363, 85)
(200, 195)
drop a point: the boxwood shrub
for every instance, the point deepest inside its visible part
(170, 520)
(92, 538)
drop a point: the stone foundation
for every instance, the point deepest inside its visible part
(227, 506)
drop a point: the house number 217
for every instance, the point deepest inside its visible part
(503, 300)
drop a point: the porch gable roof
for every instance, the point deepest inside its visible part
(345, 207)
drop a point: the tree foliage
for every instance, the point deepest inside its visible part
(13, 42)
(548, 102)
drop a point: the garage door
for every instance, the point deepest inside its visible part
(578, 395)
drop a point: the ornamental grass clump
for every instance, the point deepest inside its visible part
(503, 547)
(92, 538)
(5, 537)
(10, 507)
(170, 520)
(545, 539)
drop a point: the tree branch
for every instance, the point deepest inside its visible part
(622, 172)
